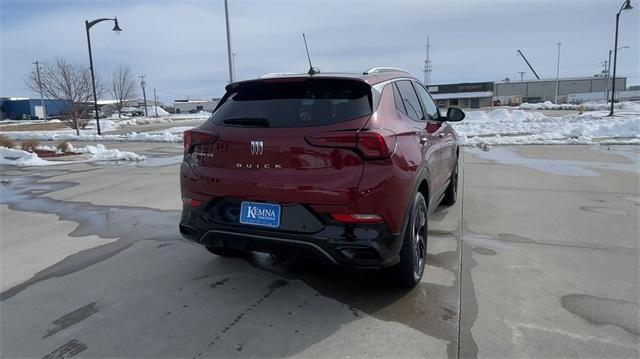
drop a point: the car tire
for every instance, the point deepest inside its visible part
(414, 247)
(451, 193)
(225, 252)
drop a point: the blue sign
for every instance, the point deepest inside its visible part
(260, 214)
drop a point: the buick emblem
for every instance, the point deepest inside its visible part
(257, 147)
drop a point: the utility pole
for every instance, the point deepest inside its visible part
(558, 73)
(608, 74)
(44, 110)
(155, 101)
(226, 17)
(143, 84)
(427, 67)
(605, 73)
(521, 81)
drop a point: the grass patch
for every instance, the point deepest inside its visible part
(30, 145)
(6, 142)
(64, 146)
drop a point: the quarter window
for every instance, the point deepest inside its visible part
(410, 100)
(429, 106)
(398, 99)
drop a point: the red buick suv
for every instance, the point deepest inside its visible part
(339, 167)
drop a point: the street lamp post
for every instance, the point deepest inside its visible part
(88, 25)
(625, 6)
(609, 70)
(558, 73)
(226, 17)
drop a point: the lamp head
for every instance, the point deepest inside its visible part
(627, 5)
(116, 28)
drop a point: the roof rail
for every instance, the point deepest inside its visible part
(277, 74)
(375, 70)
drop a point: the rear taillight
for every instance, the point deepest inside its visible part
(371, 144)
(377, 143)
(192, 202)
(195, 137)
(356, 218)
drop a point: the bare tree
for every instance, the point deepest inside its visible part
(122, 86)
(62, 80)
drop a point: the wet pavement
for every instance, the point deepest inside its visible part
(539, 258)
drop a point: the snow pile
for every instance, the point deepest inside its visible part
(20, 158)
(548, 105)
(51, 148)
(101, 153)
(176, 130)
(627, 106)
(157, 136)
(503, 127)
(628, 128)
(115, 123)
(151, 111)
(587, 106)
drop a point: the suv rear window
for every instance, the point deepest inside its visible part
(294, 102)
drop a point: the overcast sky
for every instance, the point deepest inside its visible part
(181, 45)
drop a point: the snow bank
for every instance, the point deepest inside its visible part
(503, 127)
(101, 153)
(588, 106)
(22, 158)
(158, 136)
(151, 111)
(115, 123)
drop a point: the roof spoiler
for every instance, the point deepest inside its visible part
(278, 74)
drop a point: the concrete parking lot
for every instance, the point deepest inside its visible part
(539, 258)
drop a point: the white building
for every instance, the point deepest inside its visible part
(109, 107)
(192, 106)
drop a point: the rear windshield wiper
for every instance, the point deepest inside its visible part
(248, 121)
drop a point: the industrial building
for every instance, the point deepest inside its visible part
(13, 108)
(463, 95)
(192, 106)
(486, 94)
(532, 91)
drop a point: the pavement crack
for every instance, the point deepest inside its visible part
(270, 289)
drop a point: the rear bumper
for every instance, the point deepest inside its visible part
(353, 245)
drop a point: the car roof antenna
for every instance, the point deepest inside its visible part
(312, 70)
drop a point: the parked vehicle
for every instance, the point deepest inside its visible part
(92, 114)
(343, 168)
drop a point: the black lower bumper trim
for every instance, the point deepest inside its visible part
(214, 238)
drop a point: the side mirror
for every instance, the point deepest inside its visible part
(455, 114)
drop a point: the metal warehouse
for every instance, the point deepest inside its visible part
(15, 108)
(515, 92)
(190, 106)
(486, 94)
